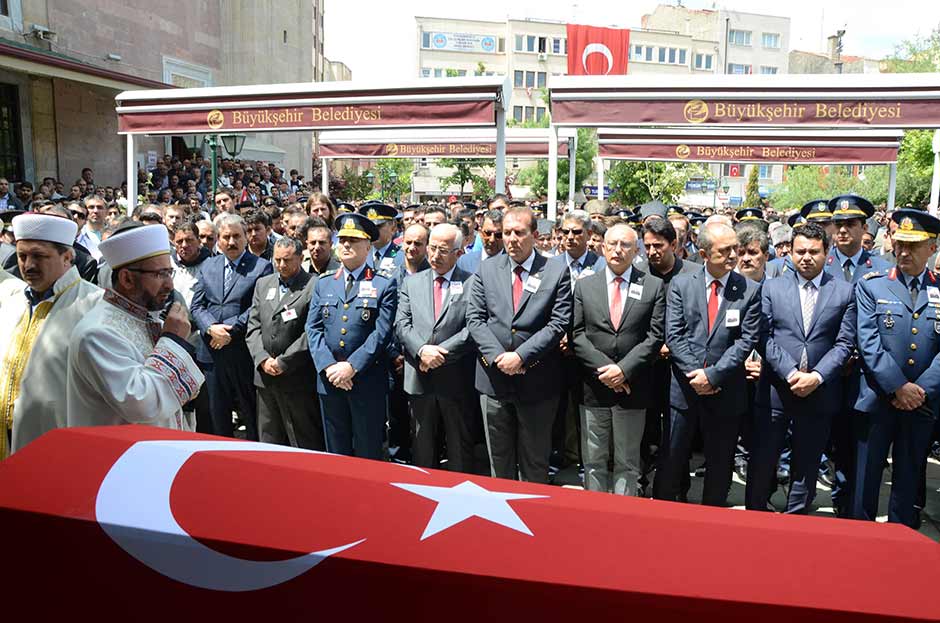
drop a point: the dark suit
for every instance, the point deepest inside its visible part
(444, 394)
(633, 345)
(828, 344)
(520, 408)
(721, 353)
(288, 410)
(229, 370)
(843, 435)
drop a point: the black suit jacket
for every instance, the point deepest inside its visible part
(269, 334)
(533, 331)
(633, 345)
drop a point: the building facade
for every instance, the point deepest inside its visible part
(63, 61)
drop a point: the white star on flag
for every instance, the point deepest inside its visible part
(466, 500)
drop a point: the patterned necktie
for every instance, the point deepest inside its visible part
(713, 303)
(809, 306)
(847, 270)
(229, 274)
(616, 303)
(517, 287)
(915, 290)
(438, 296)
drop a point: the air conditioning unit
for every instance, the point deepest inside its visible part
(543, 56)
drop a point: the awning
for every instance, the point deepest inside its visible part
(437, 143)
(29, 60)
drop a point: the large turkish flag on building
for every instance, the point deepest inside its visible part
(594, 51)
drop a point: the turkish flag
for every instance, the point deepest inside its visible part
(594, 51)
(137, 523)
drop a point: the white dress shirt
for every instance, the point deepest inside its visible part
(526, 268)
(708, 286)
(624, 285)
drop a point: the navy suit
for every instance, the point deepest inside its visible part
(828, 344)
(356, 328)
(899, 342)
(721, 352)
(843, 435)
(230, 371)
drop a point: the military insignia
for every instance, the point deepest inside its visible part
(889, 321)
(821, 206)
(366, 314)
(326, 312)
(844, 204)
(830, 260)
(873, 273)
(349, 224)
(868, 263)
(936, 327)
(372, 214)
(906, 224)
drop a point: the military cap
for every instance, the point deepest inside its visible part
(749, 214)
(653, 208)
(872, 225)
(353, 225)
(915, 225)
(670, 210)
(470, 205)
(540, 208)
(377, 212)
(816, 210)
(544, 227)
(620, 212)
(796, 220)
(846, 207)
(344, 207)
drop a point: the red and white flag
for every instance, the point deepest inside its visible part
(595, 51)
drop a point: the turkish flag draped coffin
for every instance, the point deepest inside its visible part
(138, 523)
(595, 51)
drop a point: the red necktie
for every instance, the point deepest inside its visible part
(713, 304)
(438, 296)
(616, 303)
(517, 287)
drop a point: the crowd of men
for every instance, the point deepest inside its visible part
(789, 349)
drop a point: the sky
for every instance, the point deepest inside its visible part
(377, 38)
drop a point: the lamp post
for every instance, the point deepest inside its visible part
(392, 180)
(233, 144)
(370, 177)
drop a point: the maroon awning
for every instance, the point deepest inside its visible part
(435, 150)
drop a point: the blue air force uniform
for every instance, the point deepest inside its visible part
(899, 342)
(353, 323)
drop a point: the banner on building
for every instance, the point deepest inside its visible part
(595, 51)
(796, 154)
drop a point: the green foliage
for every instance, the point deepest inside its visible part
(752, 193)
(464, 174)
(392, 178)
(633, 183)
(920, 55)
(355, 186)
(536, 178)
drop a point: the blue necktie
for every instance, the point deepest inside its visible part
(229, 274)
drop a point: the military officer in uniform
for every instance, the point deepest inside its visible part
(384, 249)
(899, 342)
(349, 327)
(847, 261)
(818, 211)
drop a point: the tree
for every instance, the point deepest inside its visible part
(634, 183)
(337, 184)
(392, 178)
(536, 178)
(918, 55)
(752, 193)
(355, 186)
(464, 174)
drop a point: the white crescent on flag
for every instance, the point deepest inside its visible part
(133, 505)
(597, 48)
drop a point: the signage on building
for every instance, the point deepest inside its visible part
(463, 42)
(435, 150)
(755, 152)
(591, 191)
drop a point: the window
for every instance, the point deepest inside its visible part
(423, 163)
(540, 113)
(703, 61)
(529, 113)
(732, 170)
(559, 46)
(682, 57)
(637, 52)
(520, 43)
(438, 72)
(543, 45)
(649, 54)
(425, 72)
(739, 37)
(461, 73)
(425, 40)
(501, 45)
(764, 171)
(736, 68)
(517, 114)
(767, 69)
(530, 43)
(11, 148)
(672, 55)
(662, 55)
(770, 40)
(541, 78)
(517, 78)
(530, 79)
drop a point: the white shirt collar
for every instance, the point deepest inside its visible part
(817, 280)
(571, 260)
(625, 276)
(526, 264)
(723, 281)
(447, 276)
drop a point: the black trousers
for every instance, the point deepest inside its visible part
(231, 383)
(432, 412)
(519, 437)
(719, 432)
(291, 417)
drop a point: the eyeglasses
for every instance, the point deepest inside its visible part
(165, 273)
(576, 232)
(77, 214)
(493, 234)
(441, 250)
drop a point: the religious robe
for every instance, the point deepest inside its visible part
(34, 348)
(121, 370)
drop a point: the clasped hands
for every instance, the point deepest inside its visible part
(911, 396)
(431, 357)
(341, 374)
(219, 334)
(612, 376)
(700, 383)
